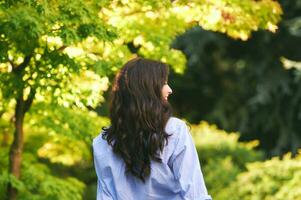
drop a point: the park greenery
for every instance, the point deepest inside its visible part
(235, 170)
(58, 58)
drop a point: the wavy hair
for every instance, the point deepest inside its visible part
(139, 114)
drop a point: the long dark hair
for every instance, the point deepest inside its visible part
(138, 114)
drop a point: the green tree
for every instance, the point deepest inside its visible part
(35, 37)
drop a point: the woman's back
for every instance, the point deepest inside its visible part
(178, 176)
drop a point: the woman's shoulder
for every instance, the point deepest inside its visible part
(175, 127)
(174, 123)
(99, 144)
(98, 139)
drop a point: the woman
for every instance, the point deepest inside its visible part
(146, 153)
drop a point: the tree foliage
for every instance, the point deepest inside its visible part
(149, 27)
(37, 36)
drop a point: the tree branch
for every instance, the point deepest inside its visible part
(12, 64)
(30, 99)
(62, 48)
(22, 66)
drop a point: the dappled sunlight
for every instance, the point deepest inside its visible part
(62, 150)
(289, 64)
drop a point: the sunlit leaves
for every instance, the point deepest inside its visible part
(235, 18)
(74, 123)
(102, 57)
(41, 32)
(146, 28)
(82, 90)
(60, 149)
(61, 134)
(151, 26)
(150, 29)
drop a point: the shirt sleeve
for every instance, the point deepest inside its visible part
(99, 191)
(186, 167)
(102, 192)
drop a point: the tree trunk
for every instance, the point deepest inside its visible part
(22, 106)
(16, 150)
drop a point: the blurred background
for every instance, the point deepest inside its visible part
(235, 71)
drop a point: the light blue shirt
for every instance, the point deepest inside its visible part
(178, 177)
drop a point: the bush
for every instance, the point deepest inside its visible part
(37, 182)
(221, 156)
(274, 179)
(234, 170)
